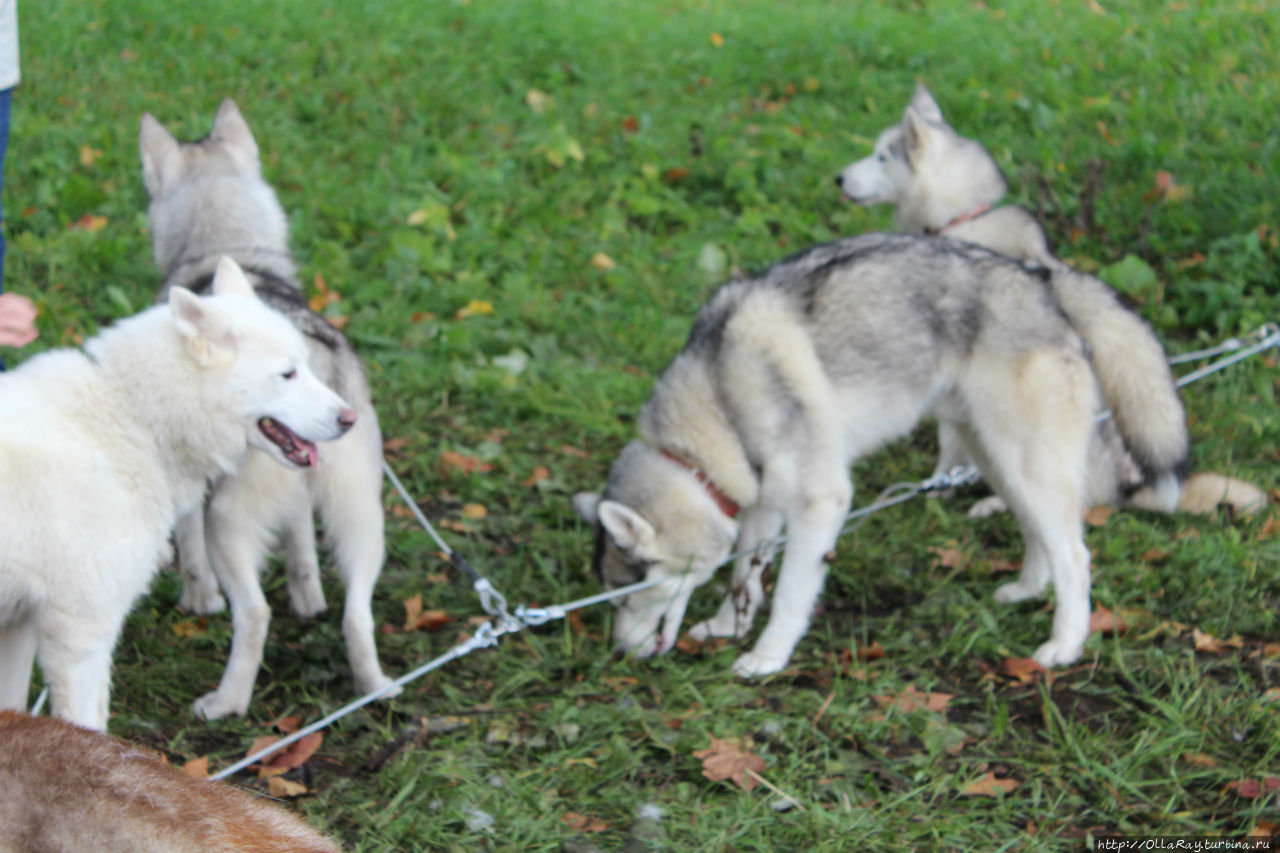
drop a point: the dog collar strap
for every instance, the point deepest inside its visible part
(964, 217)
(727, 504)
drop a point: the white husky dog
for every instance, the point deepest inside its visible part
(941, 183)
(102, 450)
(208, 198)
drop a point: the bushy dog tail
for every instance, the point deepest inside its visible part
(1137, 384)
(1202, 493)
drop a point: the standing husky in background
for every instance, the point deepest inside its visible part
(208, 198)
(942, 183)
(101, 451)
(789, 377)
(66, 790)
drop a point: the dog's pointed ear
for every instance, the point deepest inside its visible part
(230, 127)
(586, 505)
(628, 528)
(228, 278)
(924, 104)
(202, 327)
(915, 134)
(161, 156)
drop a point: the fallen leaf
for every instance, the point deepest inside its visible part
(197, 767)
(1199, 759)
(294, 755)
(474, 511)
(1264, 829)
(875, 651)
(630, 125)
(583, 823)
(1098, 515)
(538, 100)
(574, 451)
(717, 40)
(338, 321)
(89, 156)
(1210, 644)
(456, 526)
(324, 297)
(912, 699)
(988, 786)
(278, 786)
(412, 610)
(539, 474)
(474, 308)
(197, 627)
(90, 222)
(947, 558)
(1269, 528)
(675, 174)
(261, 743)
(287, 725)
(1104, 621)
(1154, 555)
(1252, 789)
(1021, 670)
(601, 261)
(394, 445)
(811, 84)
(466, 464)
(726, 759)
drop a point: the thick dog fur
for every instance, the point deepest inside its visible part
(939, 182)
(101, 451)
(209, 198)
(65, 789)
(789, 377)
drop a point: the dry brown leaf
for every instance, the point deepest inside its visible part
(88, 156)
(197, 767)
(474, 512)
(1098, 515)
(726, 759)
(294, 755)
(948, 558)
(287, 725)
(1154, 555)
(717, 40)
(1210, 644)
(262, 742)
(574, 451)
(1264, 829)
(452, 461)
(278, 786)
(601, 261)
(1022, 670)
(1269, 528)
(197, 627)
(913, 699)
(1252, 789)
(539, 474)
(90, 222)
(583, 823)
(456, 526)
(875, 651)
(1104, 621)
(1199, 759)
(412, 611)
(630, 124)
(988, 786)
(395, 445)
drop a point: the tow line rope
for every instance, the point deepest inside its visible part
(503, 621)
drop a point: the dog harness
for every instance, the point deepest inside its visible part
(964, 217)
(727, 504)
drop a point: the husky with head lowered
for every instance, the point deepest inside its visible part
(102, 451)
(789, 377)
(209, 198)
(941, 183)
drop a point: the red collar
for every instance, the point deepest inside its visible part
(964, 217)
(727, 504)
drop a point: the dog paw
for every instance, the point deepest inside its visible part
(1057, 653)
(1011, 593)
(202, 600)
(754, 664)
(734, 627)
(212, 706)
(306, 607)
(987, 507)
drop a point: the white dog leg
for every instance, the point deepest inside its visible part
(76, 662)
(200, 593)
(757, 542)
(811, 534)
(302, 564)
(17, 652)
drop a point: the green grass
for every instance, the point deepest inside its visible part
(369, 111)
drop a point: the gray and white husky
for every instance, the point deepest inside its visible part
(789, 377)
(941, 183)
(208, 198)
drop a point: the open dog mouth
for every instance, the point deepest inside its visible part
(297, 450)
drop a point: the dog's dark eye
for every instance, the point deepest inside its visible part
(290, 374)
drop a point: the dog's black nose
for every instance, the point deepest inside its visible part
(839, 180)
(346, 419)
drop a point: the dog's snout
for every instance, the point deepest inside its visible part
(346, 419)
(840, 180)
